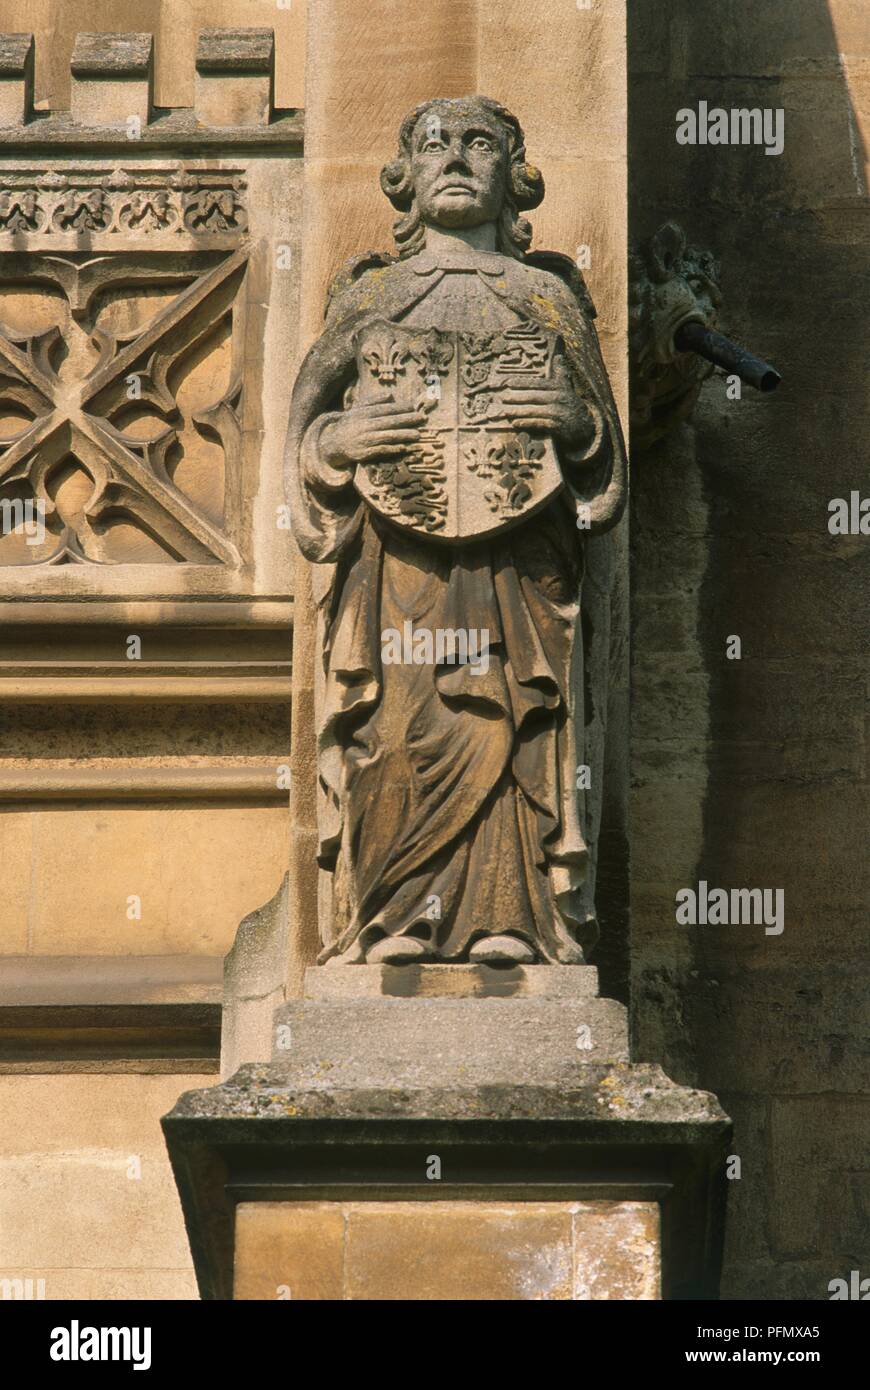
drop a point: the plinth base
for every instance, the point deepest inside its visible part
(451, 1132)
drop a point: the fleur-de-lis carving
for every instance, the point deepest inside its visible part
(433, 353)
(385, 358)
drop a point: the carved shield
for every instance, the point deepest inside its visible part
(472, 475)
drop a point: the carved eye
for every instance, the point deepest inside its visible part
(429, 146)
(480, 143)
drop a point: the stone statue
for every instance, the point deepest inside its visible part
(453, 444)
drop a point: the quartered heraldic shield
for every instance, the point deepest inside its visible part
(472, 475)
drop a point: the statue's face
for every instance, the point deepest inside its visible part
(459, 165)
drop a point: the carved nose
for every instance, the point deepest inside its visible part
(456, 163)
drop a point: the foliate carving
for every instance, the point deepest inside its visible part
(212, 209)
(116, 411)
(20, 210)
(119, 200)
(670, 283)
(148, 210)
(82, 210)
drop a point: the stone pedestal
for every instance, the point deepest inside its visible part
(451, 1132)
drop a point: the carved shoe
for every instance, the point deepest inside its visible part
(396, 950)
(501, 950)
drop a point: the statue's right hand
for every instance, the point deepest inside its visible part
(367, 433)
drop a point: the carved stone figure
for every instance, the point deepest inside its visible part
(453, 443)
(670, 283)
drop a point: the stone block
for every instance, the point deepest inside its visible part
(649, 40)
(254, 975)
(74, 1207)
(391, 1042)
(850, 22)
(235, 77)
(617, 1254)
(461, 1251)
(112, 80)
(182, 26)
(120, 1285)
(748, 1222)
(16, 832)
(476, 1250)
(583, 208)
(564, 68)
(779, 1281)
(818, 1146)
(194, 871)
(368, 66)
(451, 982)
(16, 78)
(289, 1250)
(762, 40)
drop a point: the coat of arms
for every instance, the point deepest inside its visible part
(472, 474)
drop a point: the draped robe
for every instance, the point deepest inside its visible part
(448, 796)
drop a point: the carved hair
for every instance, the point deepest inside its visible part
(525, 183)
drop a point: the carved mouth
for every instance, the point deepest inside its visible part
(679, 322)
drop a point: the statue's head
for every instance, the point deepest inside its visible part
(462, 163)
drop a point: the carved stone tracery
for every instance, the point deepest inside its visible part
(120, 376)
(99, 391)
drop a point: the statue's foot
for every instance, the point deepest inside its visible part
(501, 950)
(396, 950)
(354, 955)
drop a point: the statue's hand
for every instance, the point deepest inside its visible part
(367, 433)
(554, 409)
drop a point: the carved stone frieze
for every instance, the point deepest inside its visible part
(122, 200)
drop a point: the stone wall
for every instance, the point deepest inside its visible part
(175, 25)
(156, 779)
(88, 1202)
(752, 772)
(148, 308)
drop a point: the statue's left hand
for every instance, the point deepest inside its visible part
(554, 408)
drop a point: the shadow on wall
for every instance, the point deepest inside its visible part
(750, 773)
